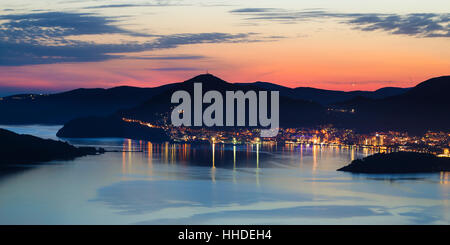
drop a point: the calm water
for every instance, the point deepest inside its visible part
(205, 184)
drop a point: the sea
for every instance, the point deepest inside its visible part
(141, 182)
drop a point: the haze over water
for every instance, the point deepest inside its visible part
(215, 184)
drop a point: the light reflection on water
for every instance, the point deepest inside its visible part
(235, 156)
(165, 183)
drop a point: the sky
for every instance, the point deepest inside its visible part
(57, 45)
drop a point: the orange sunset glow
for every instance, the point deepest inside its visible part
(296, 44)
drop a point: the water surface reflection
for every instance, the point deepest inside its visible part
(165, 183)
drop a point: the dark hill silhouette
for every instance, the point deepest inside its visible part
(331, 96)
(111, 126)
(434, 86)
(25, 149)
(62, 107)
(293, 112)
(326, 97)
(424, 107)
(398, 162)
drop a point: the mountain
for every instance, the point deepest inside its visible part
(99, 112)
(26, 149)
(292, 111)
(422, 108)
(62, 107)
(326, 97)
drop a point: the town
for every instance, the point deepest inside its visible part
(437, 143)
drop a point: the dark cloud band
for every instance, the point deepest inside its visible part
(42, 38)
(418, 24)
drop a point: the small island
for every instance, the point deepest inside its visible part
(26, 149)
(398, 162)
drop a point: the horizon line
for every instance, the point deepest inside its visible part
(62, 90)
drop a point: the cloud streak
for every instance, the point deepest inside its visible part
(160, 4)
(44, 38)
(58, 24)
(169, 69)
(416, 24)
(171, 57)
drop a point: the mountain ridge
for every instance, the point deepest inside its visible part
(422, 108)
(63, 107)
(363, 114)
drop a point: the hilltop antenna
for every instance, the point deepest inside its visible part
(207, 72)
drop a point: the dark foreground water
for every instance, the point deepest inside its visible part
(216, 184)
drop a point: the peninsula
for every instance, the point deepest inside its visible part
(26, 149)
